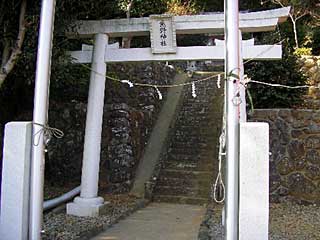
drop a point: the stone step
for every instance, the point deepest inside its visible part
(203, 103)
(201, 157)
(190, 127)
(189, 160)
(205, 128)
(195, 142)
(202, 125)
(192, 137)
(205, 134)
(189, 103)
(194, 116)
(189, 165)
(203, 98)
(183, 157)
(186, 174)
(209, 151)
(202, 192)
(201, 114)
(202, 183)
(180, 199)
(200, 146)
(179, 144)
(196, 129)
(179, 157)
(202, 92)
(190, 151)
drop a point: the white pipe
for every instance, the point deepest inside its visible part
(40, 112)
(62, 199)
(232, 168)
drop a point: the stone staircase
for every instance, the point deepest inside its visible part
(187, 173)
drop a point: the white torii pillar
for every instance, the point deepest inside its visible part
(89, 204)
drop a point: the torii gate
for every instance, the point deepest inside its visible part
(89, 203)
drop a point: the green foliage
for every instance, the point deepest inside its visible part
(302, 51)
(284, 72)
(178, 7)
(210, 6)
(315, 45)
(143, 8)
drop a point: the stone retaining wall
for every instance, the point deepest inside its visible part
(129, 115)
(295, 153)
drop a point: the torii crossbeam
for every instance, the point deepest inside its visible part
(117, 55)
(261, 21)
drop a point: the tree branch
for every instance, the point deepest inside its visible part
(129, 8)
(302, 15)
(126, 41)
(16, 51)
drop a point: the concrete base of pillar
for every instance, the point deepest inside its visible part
(86, 207)
(14, 218)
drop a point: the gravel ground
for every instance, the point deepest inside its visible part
(294, 222)
(59, 226)
(288, 221)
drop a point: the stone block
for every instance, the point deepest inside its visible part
(301, 186)
(313, 156)
(285, 166)
(15, 181)
(87, 207)
(296, 149)
(254, 181)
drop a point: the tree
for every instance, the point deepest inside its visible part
(11, 49)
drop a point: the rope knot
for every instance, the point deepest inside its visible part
(47, 132)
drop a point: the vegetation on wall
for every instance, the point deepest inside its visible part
(284, 72)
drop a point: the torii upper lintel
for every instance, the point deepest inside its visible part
(260, 21)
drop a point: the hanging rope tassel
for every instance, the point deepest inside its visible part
(219, 190)
(159, 93)
(219, 81)
(193, 88)
(169, 65)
